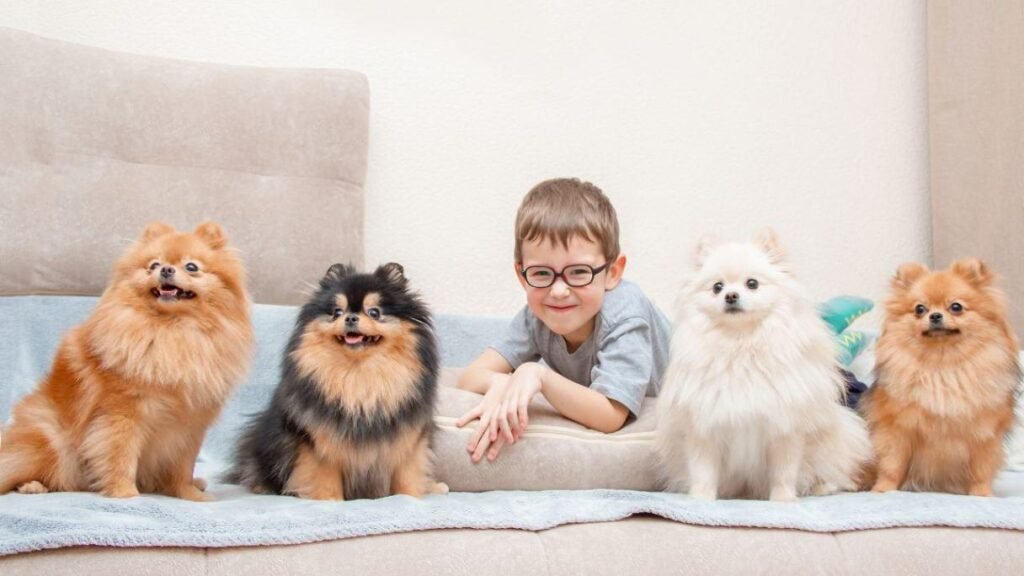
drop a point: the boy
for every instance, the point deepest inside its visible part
(604, 344)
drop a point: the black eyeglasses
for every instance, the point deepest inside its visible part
(575, 275)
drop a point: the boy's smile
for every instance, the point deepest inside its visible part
(568, 311)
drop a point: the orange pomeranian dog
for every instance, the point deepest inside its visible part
(133, 389)
(947, 373)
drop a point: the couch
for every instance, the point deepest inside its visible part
(94, 144)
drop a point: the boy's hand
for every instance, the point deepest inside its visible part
(486, 411)
(525, 383)
(503, 412)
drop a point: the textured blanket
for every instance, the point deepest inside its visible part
(30, 329)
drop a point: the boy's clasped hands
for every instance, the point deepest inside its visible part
(504, 411)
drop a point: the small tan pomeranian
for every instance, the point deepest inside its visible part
(947, 374)
(751, 406)
(352, 416)
(133, 389)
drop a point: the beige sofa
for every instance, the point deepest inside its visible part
(93, 144)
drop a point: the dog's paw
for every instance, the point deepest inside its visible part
(824, 489)
(782, 494)
(703, 494)
(192, 492)
(980, 490)
(884, 486)
(128, 491)
(33, 487)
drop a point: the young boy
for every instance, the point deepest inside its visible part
(604, 344)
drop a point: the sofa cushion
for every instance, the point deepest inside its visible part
(95, 144)
(554, 453)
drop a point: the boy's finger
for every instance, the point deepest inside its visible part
(481, 449)
(503, 421)
(495, 449)
(492, 429)
(513, 422)
(524, 412)
(469, 416)
(479, 432)
(474, 439)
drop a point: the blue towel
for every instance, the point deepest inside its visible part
(30, 328)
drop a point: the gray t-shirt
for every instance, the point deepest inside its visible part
(624, 358)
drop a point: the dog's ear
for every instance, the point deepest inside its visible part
(769, 242)
(907, 274)
(155, 230)
(393, 273)
(335, 274)
(705, 246)
(211, 233)
(974, 271)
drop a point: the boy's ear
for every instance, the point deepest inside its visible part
(613, 275)
(519, 274)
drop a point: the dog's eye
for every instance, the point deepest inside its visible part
(337, 313)
(956, 308)
(374, 313)
(920, 309)
(717, 287)
(191, 267)
(154, 265)
(752, 284)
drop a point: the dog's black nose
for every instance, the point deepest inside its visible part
(352, 319)
(731, 298)
(166, 272)
(935, 318)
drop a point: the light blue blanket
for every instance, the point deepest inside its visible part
(30, 328)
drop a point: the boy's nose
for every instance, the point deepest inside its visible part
(559, 287)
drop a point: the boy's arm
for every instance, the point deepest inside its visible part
(581, 404)
(479, 376)
(625, 364)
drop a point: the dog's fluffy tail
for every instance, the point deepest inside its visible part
(23, 459)
(841, 456)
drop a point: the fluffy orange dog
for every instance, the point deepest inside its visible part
(947, 373)
(134, 388)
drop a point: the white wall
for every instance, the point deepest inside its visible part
(694, 117)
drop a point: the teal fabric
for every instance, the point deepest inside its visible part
(850, 344)
(841, 311)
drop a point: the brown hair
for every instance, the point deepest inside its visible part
(563, 208)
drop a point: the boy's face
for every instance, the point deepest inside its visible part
(566, 310)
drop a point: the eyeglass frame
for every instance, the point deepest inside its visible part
(561, 274)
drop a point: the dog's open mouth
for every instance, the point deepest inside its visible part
(171, 292)
(357, 339)
(937, 332)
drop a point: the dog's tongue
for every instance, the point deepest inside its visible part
(353, 338)
(168, 291)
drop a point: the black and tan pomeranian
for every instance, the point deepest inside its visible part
(352, 416)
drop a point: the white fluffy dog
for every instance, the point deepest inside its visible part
(751, 403)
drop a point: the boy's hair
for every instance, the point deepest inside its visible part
(563, 208)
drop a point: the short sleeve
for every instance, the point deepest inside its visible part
(519, 345)
(625, 362)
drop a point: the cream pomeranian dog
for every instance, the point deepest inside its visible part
(751, 403)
